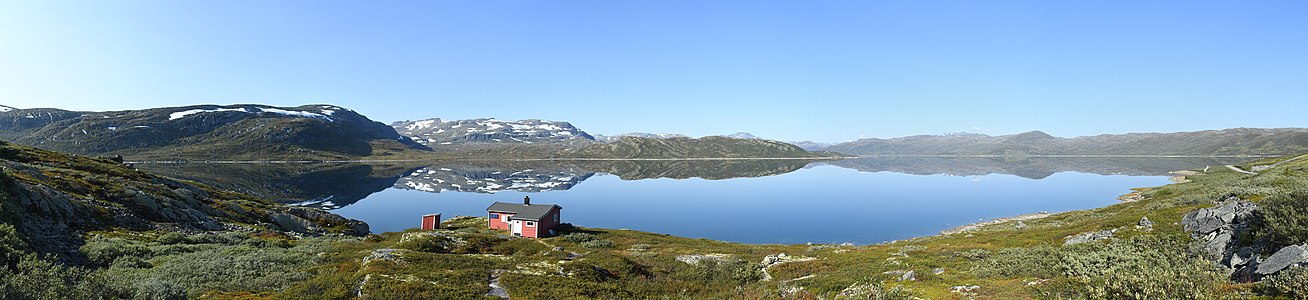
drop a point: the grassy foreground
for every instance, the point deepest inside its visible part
(463, 261)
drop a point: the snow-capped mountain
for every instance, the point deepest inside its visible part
(436, 132)
(7, 108)
(206, 131)
(439, 179)
(743, 135)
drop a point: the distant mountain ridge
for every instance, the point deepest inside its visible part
(244, 131)
(436, 132)
(1237, 141)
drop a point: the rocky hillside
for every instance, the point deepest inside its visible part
(439, 134)
(1238, 141)
(54, 200)
(207, 132)
(705, 147)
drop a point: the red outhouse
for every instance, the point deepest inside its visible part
(525, 219)
(431, 222)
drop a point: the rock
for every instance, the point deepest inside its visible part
(909, 276)
(963, 289)
(1020, 225)
(1089, 237)
(1214, 227)
(290, 223)
(847, 244)
(938, 271)
(695, 259)
(1296, 255)
(384, 254)
(1145, 223)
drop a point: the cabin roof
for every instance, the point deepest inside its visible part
(533, 212)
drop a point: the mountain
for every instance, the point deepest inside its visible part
(1238, 141)
(257, 132)
(437, 133)
(680, 147)
(812, 146)
(742, 135)
(6, 108)
(610, 138)
(54, 199)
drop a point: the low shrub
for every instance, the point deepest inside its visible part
(1292, 283)
(1285, 218)
(578, 237)
(597, 244)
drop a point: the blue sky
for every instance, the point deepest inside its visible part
(789, 70)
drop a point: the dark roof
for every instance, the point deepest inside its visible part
(534, 212)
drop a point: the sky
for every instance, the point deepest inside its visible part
(789, 70)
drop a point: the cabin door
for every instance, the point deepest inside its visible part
(516, 227)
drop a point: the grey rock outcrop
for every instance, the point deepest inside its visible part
(1089, 237)
(1215, 227)
(1287, 257)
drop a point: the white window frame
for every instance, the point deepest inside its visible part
(531, 224)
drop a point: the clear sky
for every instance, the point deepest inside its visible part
(789, 70)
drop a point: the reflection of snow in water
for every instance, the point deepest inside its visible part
(436, 180)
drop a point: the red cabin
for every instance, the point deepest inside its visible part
(431, 222)
(524, 219)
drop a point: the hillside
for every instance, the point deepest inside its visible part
(705, 147)
(1238, 141)
(54, 200)
(248, 132)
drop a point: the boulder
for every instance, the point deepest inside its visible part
(1144, 224)
(908, 276)
(1215, 227)
(1089, 237)
(1296, 255)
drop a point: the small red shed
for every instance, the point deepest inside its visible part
(525, 219)
(431, 222)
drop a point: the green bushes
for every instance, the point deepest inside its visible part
(598, 244)
(1142, 267)
(578, 237)
(588, 240)
(1285, 218)
(1291, 283)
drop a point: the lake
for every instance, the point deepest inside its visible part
(862, 201)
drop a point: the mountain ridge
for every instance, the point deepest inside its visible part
(1234, 141)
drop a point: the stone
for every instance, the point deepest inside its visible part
(1295, 255)
(1089, 237)
(1020, 225)
(384, 254)
(938, 271)
(1215, 227)
(1145, 223)
(909, 276)
(695, 259)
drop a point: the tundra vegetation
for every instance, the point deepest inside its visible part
(1033, 259)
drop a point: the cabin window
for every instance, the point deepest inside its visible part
(531, 224)
(556, 218)
(494, 216)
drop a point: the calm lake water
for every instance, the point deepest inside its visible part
(862, 201)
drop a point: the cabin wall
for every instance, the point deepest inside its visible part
(498, 223)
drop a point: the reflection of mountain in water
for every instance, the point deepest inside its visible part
(1031, 167)
(490, 180)
(320, 184)
(338, 185)
(683, 169)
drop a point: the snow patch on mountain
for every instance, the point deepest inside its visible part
(251, 110)
(6, 108)
(489, 130)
